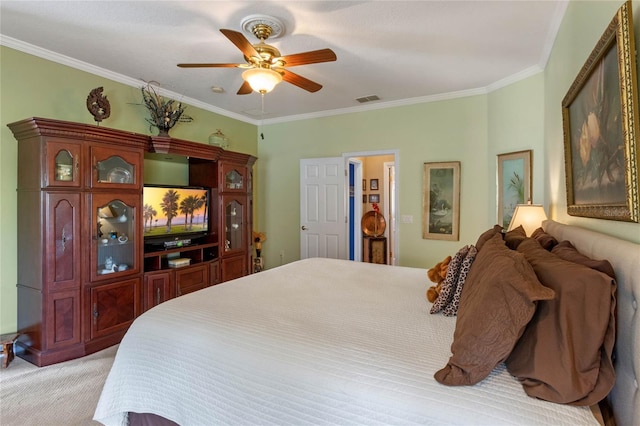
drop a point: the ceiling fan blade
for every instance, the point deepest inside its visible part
(313, 57)
(301, 82)
(241, 42)
(210, 65)
(245, 89)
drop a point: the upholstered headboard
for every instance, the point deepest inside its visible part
(625, 259)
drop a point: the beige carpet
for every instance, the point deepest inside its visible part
(61, 394)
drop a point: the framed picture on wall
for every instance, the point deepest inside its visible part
(600, 123)
(364, 198)
(441, 201)
(374, 198)
(514, 183)
(373, 184)
(364, 184)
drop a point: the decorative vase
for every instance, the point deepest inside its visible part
(163, 133)
(219, 139)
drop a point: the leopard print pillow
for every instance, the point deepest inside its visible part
(449, 283)
(452, 307)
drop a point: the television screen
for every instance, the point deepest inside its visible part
(171, 210)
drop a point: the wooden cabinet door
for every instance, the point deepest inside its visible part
(116, 241)
(250, 239)
(233, 267)
(157, 288)
(62, 164)
(62, 314)
(233, 178)
(191, 278)
(214, 273)
(62, 251)
(116, 168)
(234, 224)
(113, 307)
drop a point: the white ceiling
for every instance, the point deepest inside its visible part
(402, 51)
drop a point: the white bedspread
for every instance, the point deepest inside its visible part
(317, 341)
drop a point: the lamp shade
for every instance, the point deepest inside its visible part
(262, 80)
(530, 216)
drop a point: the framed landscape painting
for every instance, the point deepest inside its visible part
(600, 123)
(441, 201)
(514, 183)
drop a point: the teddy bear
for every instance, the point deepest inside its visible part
(437, 274)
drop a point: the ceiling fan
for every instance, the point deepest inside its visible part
(265, 66)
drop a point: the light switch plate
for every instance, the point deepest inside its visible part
(407, 218)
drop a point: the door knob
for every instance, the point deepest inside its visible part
(304, 228)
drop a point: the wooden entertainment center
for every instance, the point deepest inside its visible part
(84, 272)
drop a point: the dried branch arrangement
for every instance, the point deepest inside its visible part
(165, 113)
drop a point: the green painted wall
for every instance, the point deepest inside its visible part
(523, 115)
(517, 128)
(35, 87)
(473, 130)
(581, 29)
(454, 130)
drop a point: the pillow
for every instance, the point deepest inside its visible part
(452, 308)
(514, 237)
(487, 235)
(545, 240)
(565, 250)
(498, 300)
(564, 355)
(450, 281)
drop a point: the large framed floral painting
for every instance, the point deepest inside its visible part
(514, 183)
(441, 201)
(600, 121)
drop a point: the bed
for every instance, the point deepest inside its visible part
(323, 341)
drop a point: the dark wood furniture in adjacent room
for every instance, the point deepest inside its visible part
(374, 250)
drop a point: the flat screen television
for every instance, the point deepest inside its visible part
(174, 212)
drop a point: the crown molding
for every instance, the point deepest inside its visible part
(84, 66)
(554, 27)
(379, 105)
(119, 78)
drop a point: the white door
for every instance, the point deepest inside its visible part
(323, 221)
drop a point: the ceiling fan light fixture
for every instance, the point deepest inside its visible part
(262, 80)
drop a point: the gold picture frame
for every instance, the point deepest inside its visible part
(441, 201)
(514, 183)
(600, 123)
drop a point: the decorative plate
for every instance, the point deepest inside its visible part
(119, 175)
(373, 224)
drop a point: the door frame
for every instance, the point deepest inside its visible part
(357, 209)
(348, 156)
(390, 211)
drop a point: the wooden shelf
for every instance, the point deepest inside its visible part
(169, 145)
(198, 253)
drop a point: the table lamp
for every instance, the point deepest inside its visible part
(530, 216)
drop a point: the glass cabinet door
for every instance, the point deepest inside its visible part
(234, 229)
(233, 178)
(115, 249)
(116, 168)
(63, 164)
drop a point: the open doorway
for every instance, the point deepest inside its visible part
(372, 182)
